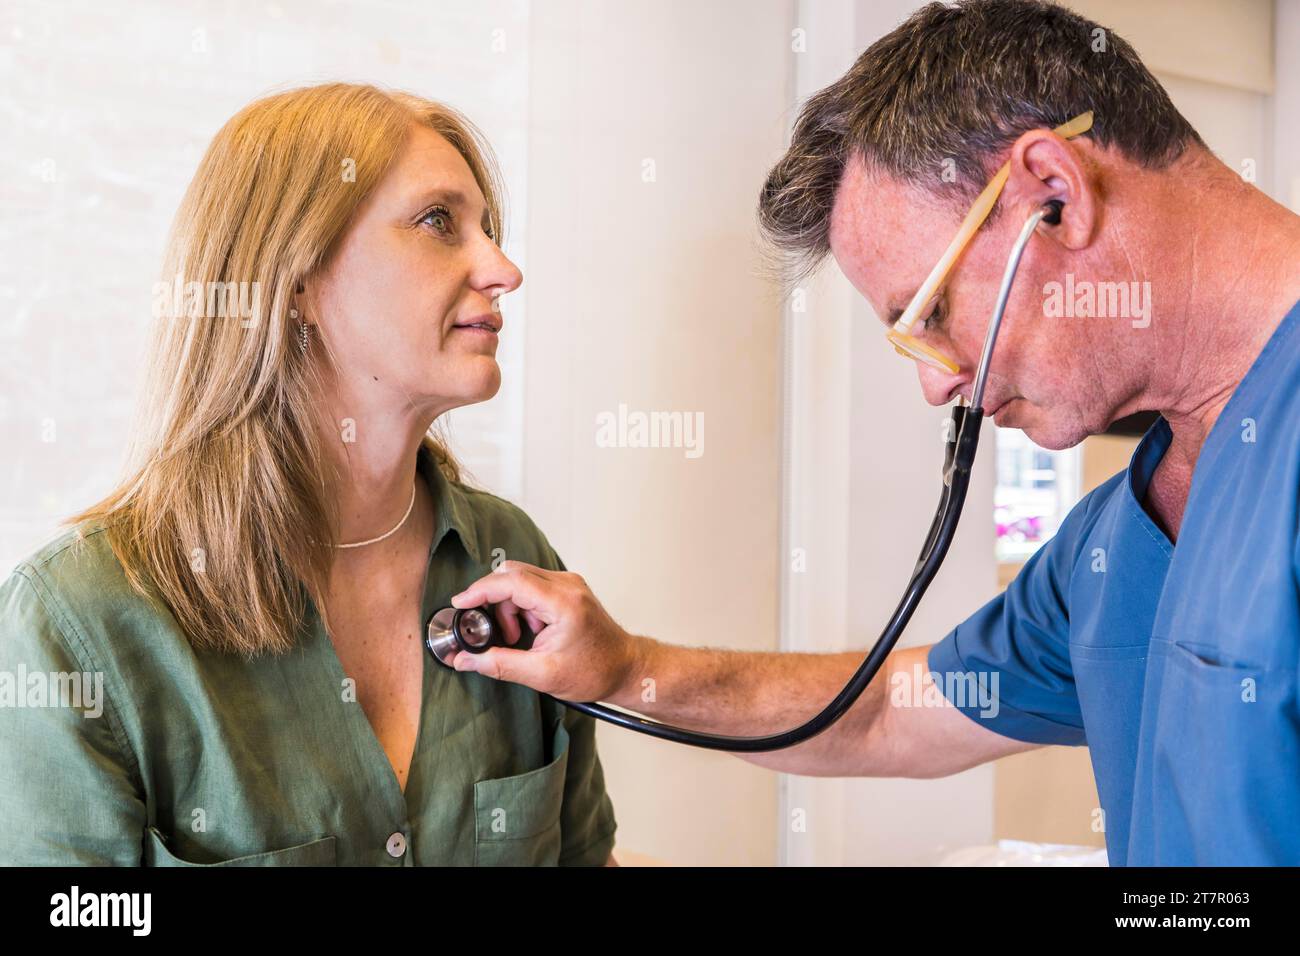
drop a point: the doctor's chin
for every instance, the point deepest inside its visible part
(357, 510)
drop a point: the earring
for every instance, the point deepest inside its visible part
(302, 326)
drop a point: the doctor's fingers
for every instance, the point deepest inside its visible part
(518, 583)
(507, 615)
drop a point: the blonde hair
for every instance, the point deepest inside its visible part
(224, 514)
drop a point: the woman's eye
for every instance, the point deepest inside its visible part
(439, 217)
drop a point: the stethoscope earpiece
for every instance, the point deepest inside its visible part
(453, 630)
(1053, 218)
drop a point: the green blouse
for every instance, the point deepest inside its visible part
(122, 745)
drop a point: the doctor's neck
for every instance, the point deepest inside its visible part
(1223, 260)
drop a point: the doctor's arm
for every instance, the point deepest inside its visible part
(580, 653)
(893, 730)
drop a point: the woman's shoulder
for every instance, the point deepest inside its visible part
(79, 556)
(73, 579)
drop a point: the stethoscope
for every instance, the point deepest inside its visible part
(473, 630)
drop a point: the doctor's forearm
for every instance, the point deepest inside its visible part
(747, 693)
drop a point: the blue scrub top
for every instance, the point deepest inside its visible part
(1175, 665)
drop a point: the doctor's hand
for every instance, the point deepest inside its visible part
(578, 653)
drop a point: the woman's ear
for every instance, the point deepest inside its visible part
(1044, 167)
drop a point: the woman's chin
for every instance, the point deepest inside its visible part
(478, 381)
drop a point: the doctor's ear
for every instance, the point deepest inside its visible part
(1046, 168)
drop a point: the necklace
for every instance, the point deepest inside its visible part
(358, 544)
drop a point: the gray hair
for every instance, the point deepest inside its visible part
(949, 90)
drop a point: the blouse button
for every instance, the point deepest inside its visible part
(396, 845)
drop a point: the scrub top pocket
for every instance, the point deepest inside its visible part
(517, 819)
(322, 852)
(1216, 793)
(1205, 700)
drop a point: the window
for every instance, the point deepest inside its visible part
(1036, 489)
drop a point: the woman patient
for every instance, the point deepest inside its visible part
(254, 594)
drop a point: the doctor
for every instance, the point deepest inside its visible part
(1161, 625)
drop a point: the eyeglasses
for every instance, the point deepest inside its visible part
(927, 296)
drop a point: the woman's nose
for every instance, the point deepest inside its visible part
(495, 274)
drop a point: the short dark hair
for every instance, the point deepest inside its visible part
(949, 89)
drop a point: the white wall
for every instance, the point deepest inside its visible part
(645, 293)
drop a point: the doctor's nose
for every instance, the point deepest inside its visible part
(938, 386)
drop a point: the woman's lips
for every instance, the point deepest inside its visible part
(484, 326)
(477, 330)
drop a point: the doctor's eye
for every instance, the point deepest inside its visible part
(439, 217)
(934, 316)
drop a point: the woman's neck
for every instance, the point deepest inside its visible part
(372, 451)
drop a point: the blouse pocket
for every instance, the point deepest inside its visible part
(322, 852)
(517, 819)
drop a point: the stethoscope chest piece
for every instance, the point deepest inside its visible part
(452, 630)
